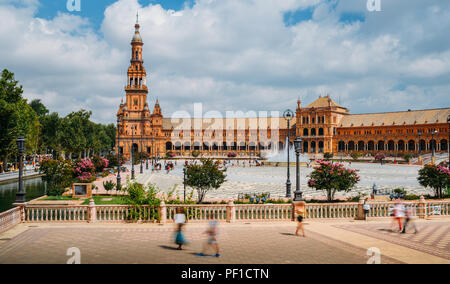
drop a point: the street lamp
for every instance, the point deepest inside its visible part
(20, 195)
(434, 132)
(119, 179)
(132, 150)
(140, 159)
(288, 115)
(298, 147)
(184, 183)
(420, 142)
(448, 141)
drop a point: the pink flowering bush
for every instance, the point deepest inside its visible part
(100, 163)
(84, 170)
(435, 177)
(332, 177)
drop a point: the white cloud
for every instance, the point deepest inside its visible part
(235, 55)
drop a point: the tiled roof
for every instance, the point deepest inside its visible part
(429, 116)
(324, 102)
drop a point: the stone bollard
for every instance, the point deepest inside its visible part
(360, 215)
(422, 208)
(162, 212)
(92, 217)
(298, 206)
(231, 212)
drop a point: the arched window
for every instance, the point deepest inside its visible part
(321, 132)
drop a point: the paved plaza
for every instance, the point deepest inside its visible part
(272, 179)
(257, 243)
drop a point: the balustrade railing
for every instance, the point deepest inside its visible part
(197, 213)
(263, 212)
(331, 210)
(56, 213)
(9, 219)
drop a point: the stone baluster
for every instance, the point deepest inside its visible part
(162, 212)
(92, 212)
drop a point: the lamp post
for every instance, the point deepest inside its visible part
(132, 151)
(184, 182)
(119, 179)
(420, 142)
(448, 141)
(433, 145)
(298, 146)
(140, 159)
(146, 160)
(153, 151)
(20, 195)
(288, 115)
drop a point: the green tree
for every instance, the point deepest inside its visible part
(16, 117)
(205, 177)
(435, 177)
(39, 108)
(332, 177)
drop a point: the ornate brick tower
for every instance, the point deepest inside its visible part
(139, 130)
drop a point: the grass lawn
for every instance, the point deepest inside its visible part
(116, 200)
(59, 198)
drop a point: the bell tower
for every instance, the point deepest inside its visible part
(136, 88)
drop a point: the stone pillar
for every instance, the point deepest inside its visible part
(162, 213)
(422, 208)
(22, 207)
(360, 215)
(92, 215)
(231, 212)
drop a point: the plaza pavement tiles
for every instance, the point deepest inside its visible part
(252, 243)
(432, 238)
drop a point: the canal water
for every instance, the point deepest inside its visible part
(35, 188)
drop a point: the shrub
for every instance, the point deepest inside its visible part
(100, 163)
(380, 157)
(332, 177)
(55, 191)
(109, 185)
(84, 170)
(328, 156)
(355, 156)
(436, 178)
(57, 173)
(232, 155)
(407, 157)
(195, 153)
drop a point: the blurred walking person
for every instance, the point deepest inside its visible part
(180, 221)
(409, 220)
(212, 240)
(399, 214)
(300, 211)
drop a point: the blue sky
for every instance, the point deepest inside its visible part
(231, 55)
(93, 9)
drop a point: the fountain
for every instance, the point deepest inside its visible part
(275, 156)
